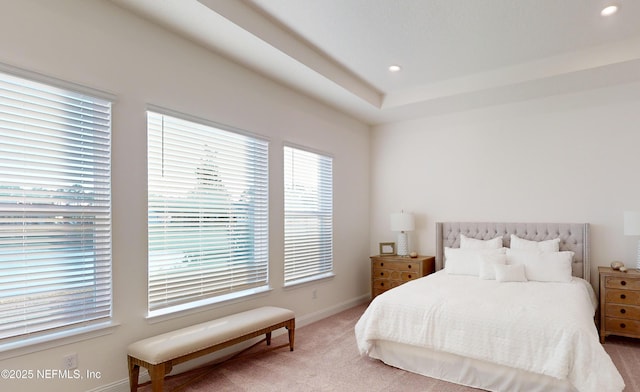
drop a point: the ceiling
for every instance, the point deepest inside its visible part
(455, 54)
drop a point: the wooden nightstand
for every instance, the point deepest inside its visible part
(619, 303)
(388, 272)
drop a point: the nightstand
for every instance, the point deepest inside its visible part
(619, 303)
(388, 272)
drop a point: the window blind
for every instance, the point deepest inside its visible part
(207, 212)
(308, 215)
(55, 208)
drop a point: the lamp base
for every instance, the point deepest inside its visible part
(403, 244)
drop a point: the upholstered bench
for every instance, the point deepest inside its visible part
(158, 354)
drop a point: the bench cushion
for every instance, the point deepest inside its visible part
(164, 347)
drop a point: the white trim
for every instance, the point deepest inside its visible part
(309, 280)
(50, 80)
(206, 304)
(35, 344)
(116, 386)
(333, 310)
(204, 121)
(308, 149)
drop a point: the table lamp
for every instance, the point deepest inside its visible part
(402, 222)
(632, 227)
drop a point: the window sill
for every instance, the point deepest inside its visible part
(177, 311)
(29, 345)
(306, 281)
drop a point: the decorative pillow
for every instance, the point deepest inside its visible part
(472, 243)
(466, 261)
(487, 262)
(545, 246)
(510, 273)
(543, 266)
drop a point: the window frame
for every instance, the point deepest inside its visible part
(83, 329)
(324, 273)
(160, 313)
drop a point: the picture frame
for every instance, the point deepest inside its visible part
(387, 248)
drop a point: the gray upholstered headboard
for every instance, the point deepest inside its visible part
(573, 237)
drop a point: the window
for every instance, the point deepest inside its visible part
(308, 216)
(207, 213)
(55, 210)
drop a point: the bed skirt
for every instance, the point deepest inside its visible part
(464, 371)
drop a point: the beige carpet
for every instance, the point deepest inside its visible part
(326, 359)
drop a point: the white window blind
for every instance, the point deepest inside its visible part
(308, 216)
(208, 213)
(55, 209)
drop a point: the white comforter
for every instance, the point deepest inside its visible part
(539, 327)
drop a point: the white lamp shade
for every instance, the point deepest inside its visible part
(631, 223)
(402, 221)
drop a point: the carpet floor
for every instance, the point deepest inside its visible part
(326, 359)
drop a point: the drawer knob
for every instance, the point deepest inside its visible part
(382, 284)
(409, 276)
(623, 325)
(623, 311)
(381, 273)
(409, 266)
(623, 296)
(381, 264)
(624, 283)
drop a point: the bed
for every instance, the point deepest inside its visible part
(497, 332)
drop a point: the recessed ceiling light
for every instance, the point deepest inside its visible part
(609, 10)
(394, 68)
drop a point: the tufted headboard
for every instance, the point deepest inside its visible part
(573, 237)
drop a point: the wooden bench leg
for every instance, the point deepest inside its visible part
(291, 328)
(134, 372)
(157, 373)
(268, 338)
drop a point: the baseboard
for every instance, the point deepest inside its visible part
(328, 312)
(123, 385)
(118, 386)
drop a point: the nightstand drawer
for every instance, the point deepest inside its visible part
(623, 311)
(619, 303)
(622, 326)
(407, 276)
(616, 282)
(381, 284)
(388, 272)
(378, 273)
(398, 266)
(385, 284)
(617, 296)
(397, 275)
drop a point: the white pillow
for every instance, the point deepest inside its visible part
(545, 246)
(487, 262)
(543, 266)
(510, 273)
(472, 243)
(466, 261)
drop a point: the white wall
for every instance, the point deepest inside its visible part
(97, 44)
(571, 158)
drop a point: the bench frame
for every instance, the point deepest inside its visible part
(158, 371)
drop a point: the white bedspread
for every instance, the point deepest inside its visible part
(539, 327)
